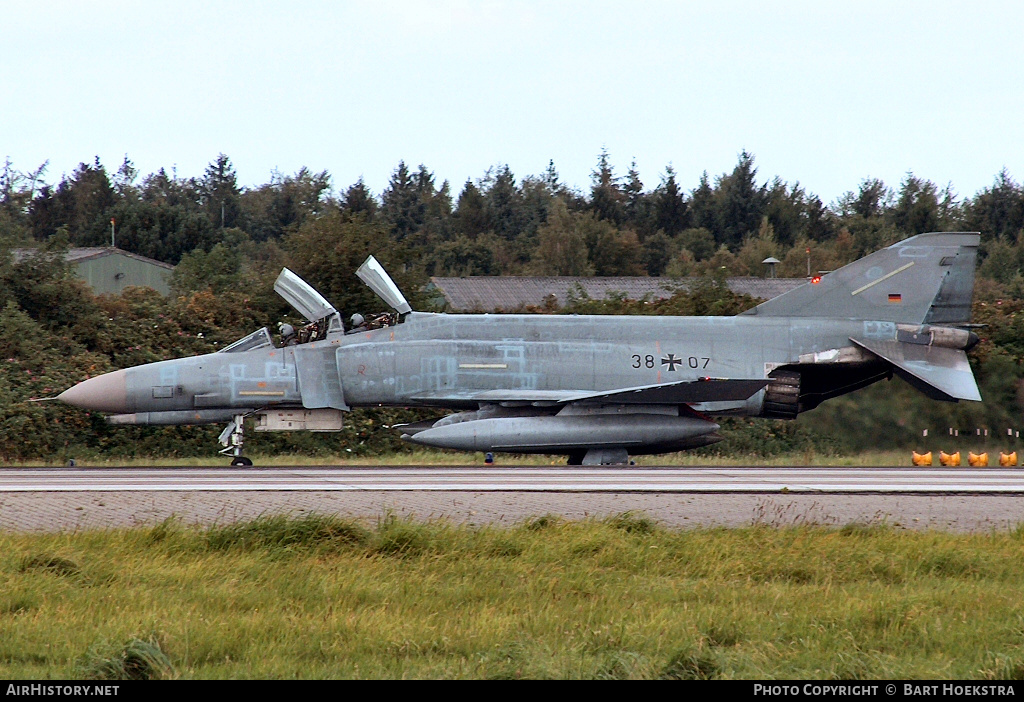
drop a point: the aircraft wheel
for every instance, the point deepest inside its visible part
(241, 462)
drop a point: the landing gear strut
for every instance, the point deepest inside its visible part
(232, 439)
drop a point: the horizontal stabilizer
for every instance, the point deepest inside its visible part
(941, 373)
(683, 392)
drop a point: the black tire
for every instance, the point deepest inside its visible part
(241, 462)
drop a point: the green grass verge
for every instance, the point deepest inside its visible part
(321, 597)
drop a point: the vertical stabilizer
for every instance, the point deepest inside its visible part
(928, 278)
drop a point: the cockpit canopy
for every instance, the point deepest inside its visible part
(378, 280)
(303, 297)
(256, 340)
(321, 316)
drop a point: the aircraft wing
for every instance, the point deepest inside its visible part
(941, 373)
(683, 392)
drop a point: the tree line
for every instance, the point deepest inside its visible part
(499, 224)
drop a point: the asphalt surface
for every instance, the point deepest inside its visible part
(55, 500)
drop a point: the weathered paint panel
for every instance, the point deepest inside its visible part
(255, 378)
(369, 373)
(317, 374)
(460, 355)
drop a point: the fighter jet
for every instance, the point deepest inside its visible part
(596, 389)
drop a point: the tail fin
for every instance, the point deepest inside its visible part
(926, 279)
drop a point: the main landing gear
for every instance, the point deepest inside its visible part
(232, 439)
(600, 457)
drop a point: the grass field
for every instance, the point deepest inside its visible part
(620, 598)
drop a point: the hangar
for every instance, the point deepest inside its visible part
(110, 270)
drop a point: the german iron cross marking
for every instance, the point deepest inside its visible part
(671, 361)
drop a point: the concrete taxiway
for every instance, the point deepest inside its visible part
(950, 499)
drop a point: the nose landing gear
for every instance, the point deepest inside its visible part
(232, 439)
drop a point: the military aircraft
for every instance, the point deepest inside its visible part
(593, 388)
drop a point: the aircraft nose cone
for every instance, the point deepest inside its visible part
(104, 393)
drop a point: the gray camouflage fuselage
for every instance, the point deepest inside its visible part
(446, 360)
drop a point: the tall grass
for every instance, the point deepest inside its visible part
(322, 597)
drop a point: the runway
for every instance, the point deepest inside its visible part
(682, 480)
(964, 499)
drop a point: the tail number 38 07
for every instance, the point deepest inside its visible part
(670, 361)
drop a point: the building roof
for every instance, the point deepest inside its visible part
(78, 255)
(486, 293)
